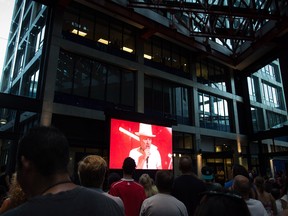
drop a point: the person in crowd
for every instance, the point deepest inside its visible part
(285, 212)
(92, 171)
(215, 203)
(275, 192)
(15, 197)
(131, 192)
(3, 194)
(187, 187)
(163, 203)
(42, 172)
(4, 178)
(146, 155)
(208, 177)
(242, 185)
(284, 195)
(147, 182)
(237, 169)
(266, 198)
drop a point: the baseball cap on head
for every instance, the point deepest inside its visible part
(207, 173)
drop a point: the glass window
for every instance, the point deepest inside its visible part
(178, 140)
(275, 119)
(30, 83)
(251, 89)
(175, 54)
(166, 54)
(113, 85)
(212, 74)
(15, 88)
(188, 141)
(148, 49)
(127, 88)
(86, 26)
(184, 62)
(19, 64)
(213, 112)
(101, 30)
(257, 119)
(65, 72)
(71, 20)
(116, 35)
(128, 41)
(40, 39)
(156, 50)
(157, 96)
(148, 94)
(7, 119)
(168, 99)
(92, 79)
(82, 73)
(98, 81)
(270, 95)
(182, 141)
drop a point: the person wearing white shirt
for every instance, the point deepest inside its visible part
(242, 185)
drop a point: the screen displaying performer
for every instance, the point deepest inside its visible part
(148, 144)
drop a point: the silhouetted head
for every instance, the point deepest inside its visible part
(222, 203)
(164, 181)
(129, 166)
(185, 164)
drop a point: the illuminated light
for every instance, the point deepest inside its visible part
(174, 155)
(147, 56)
(126, 49)
(78, 32)
(180, 155)
(3, 121)
(199, 164)
(103, 41)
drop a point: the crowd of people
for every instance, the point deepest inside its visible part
(41, 185)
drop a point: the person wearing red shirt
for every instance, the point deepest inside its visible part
(130, 191)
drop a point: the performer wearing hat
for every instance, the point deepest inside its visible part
(146, 155)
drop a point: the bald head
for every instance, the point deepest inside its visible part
(241, 184)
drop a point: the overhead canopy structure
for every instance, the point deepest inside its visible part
(231, 30)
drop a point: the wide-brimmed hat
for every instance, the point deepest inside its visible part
(145, 130)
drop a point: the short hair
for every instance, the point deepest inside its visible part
(222, 203)
(146, 180)
(241, 184)
(92, 170)
(164, 180)
(47, 148)
(129, 166)
(259, 183)
(185, 164)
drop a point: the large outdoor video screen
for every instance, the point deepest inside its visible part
(149, 145)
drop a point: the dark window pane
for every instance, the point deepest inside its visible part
(82, 77)
(113, 85)
(127, 88)
(98, 81)
(65, 72)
